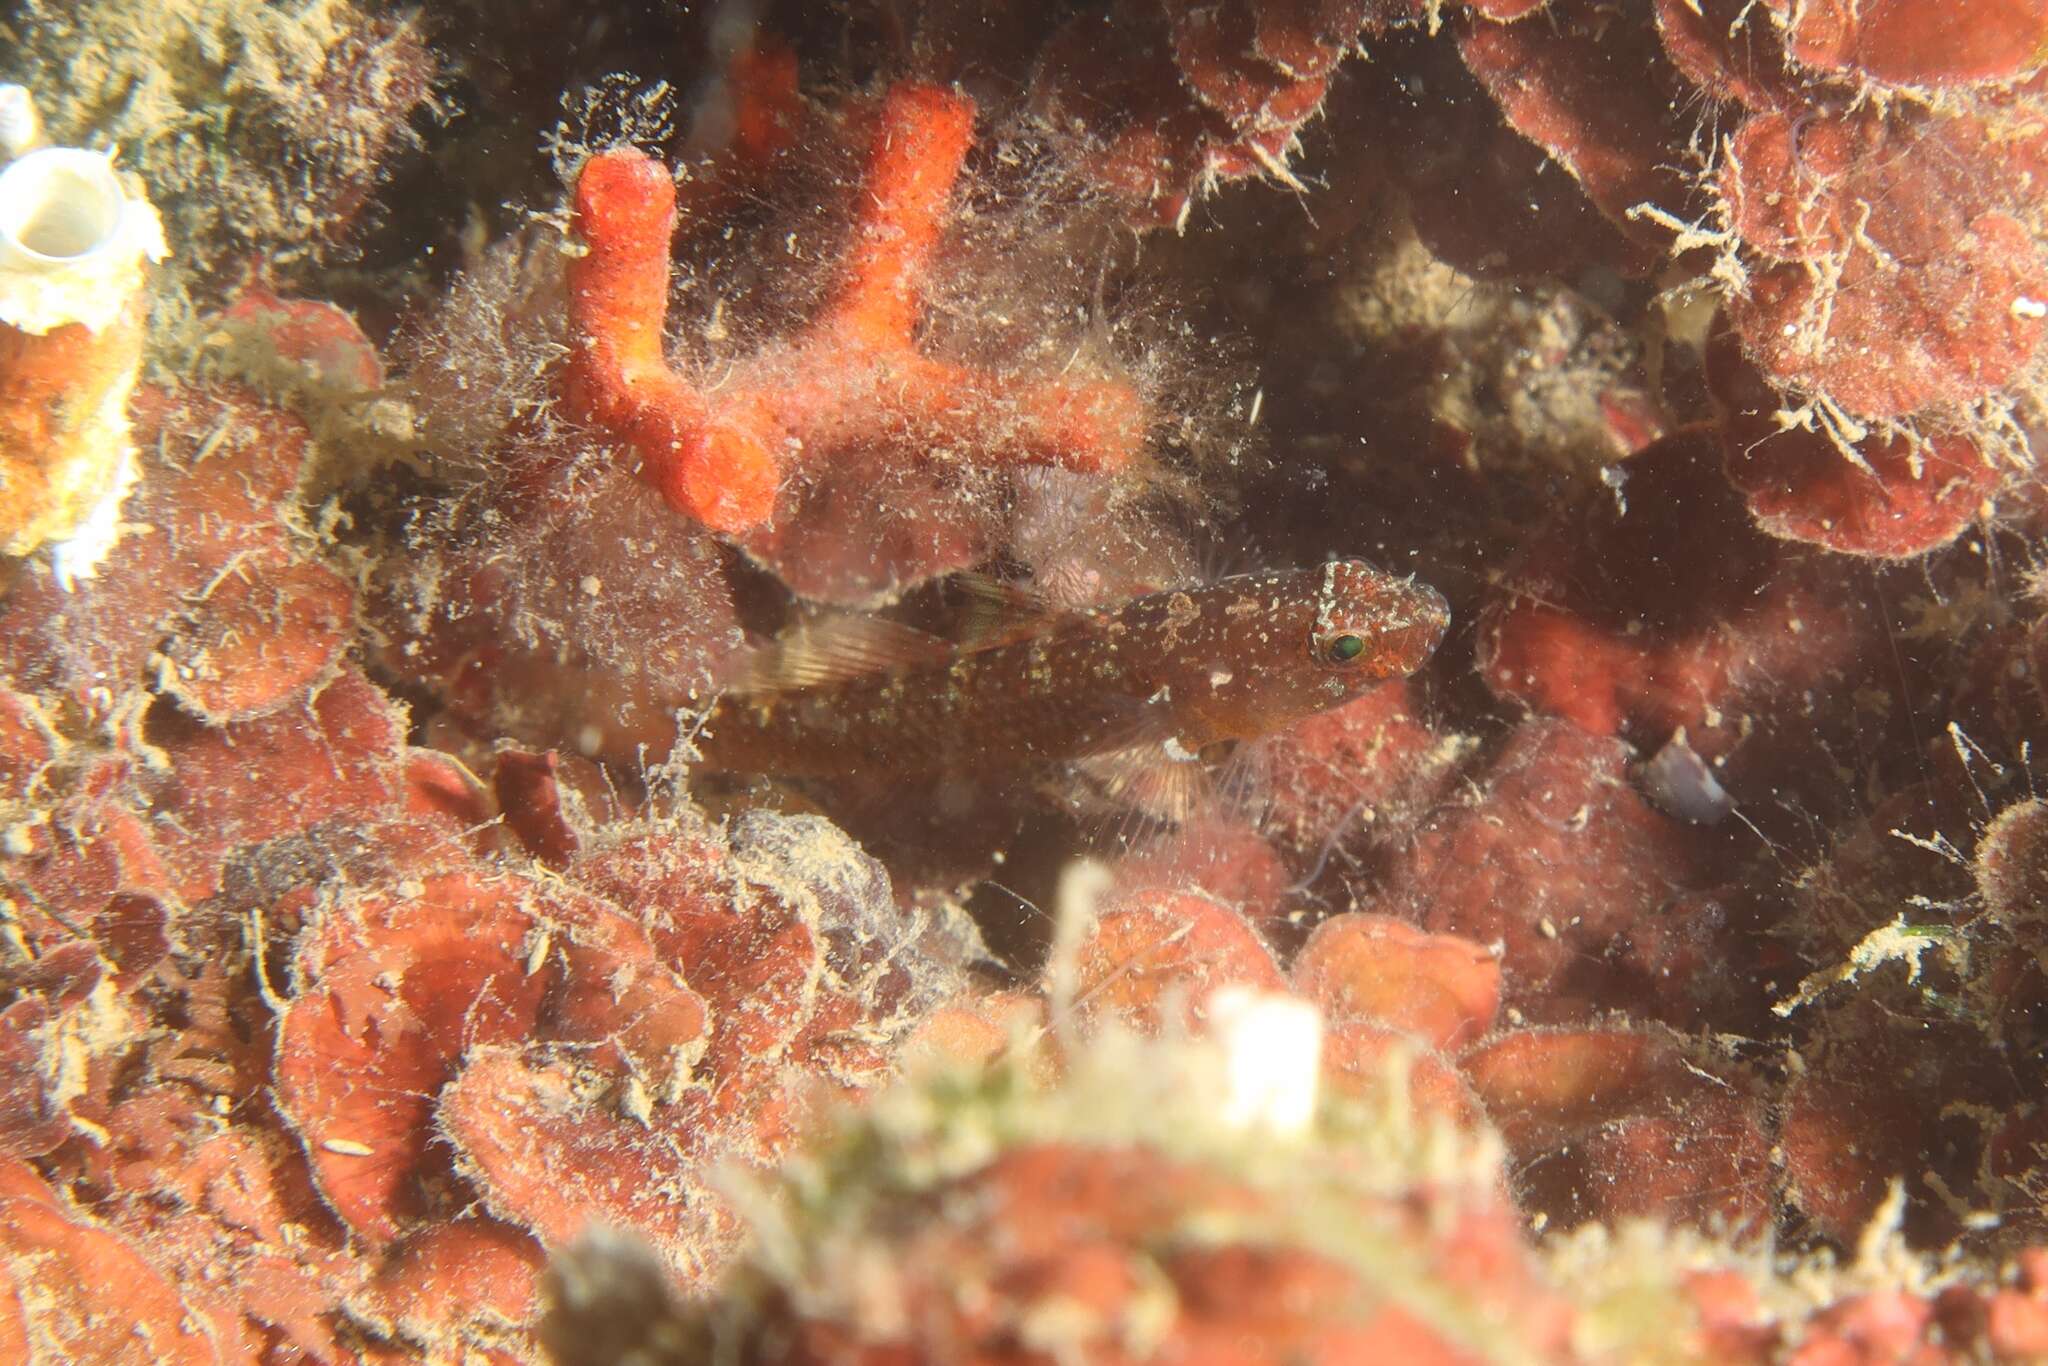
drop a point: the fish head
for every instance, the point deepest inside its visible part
(1286, 646)
(1368, 625)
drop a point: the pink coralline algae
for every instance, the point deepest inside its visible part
(1373, 759)
(1065, 1232)
(1053, 1225)
(246, 759)
(1439, 988)
(1589, 891)
(1884, 259)
(1828, 202)
(1665, 609)
(1889, 497)
(1609, 1124)
(1915, 43)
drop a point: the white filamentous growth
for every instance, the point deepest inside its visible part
(79, 555)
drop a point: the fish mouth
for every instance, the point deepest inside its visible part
(1416, 618)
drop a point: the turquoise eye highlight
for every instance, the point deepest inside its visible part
(1344, 649)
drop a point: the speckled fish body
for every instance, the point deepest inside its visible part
(1234, 660)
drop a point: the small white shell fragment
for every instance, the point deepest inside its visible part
(1272, 1059)
(1680, 782)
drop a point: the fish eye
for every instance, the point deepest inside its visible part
(1343, 649)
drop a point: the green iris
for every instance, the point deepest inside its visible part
(1344, 649)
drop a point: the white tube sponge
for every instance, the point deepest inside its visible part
(73, 248)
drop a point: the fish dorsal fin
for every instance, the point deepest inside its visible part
(998, 611)
(836, 648)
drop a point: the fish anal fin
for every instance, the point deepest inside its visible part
(833, 649)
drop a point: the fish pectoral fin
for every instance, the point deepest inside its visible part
(836, 648)
(1157, 779)
(998, 611)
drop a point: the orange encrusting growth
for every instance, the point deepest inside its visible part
(853, 376)
(59, 450)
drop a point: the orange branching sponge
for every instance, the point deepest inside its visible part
(619, 379)
(854, 377)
